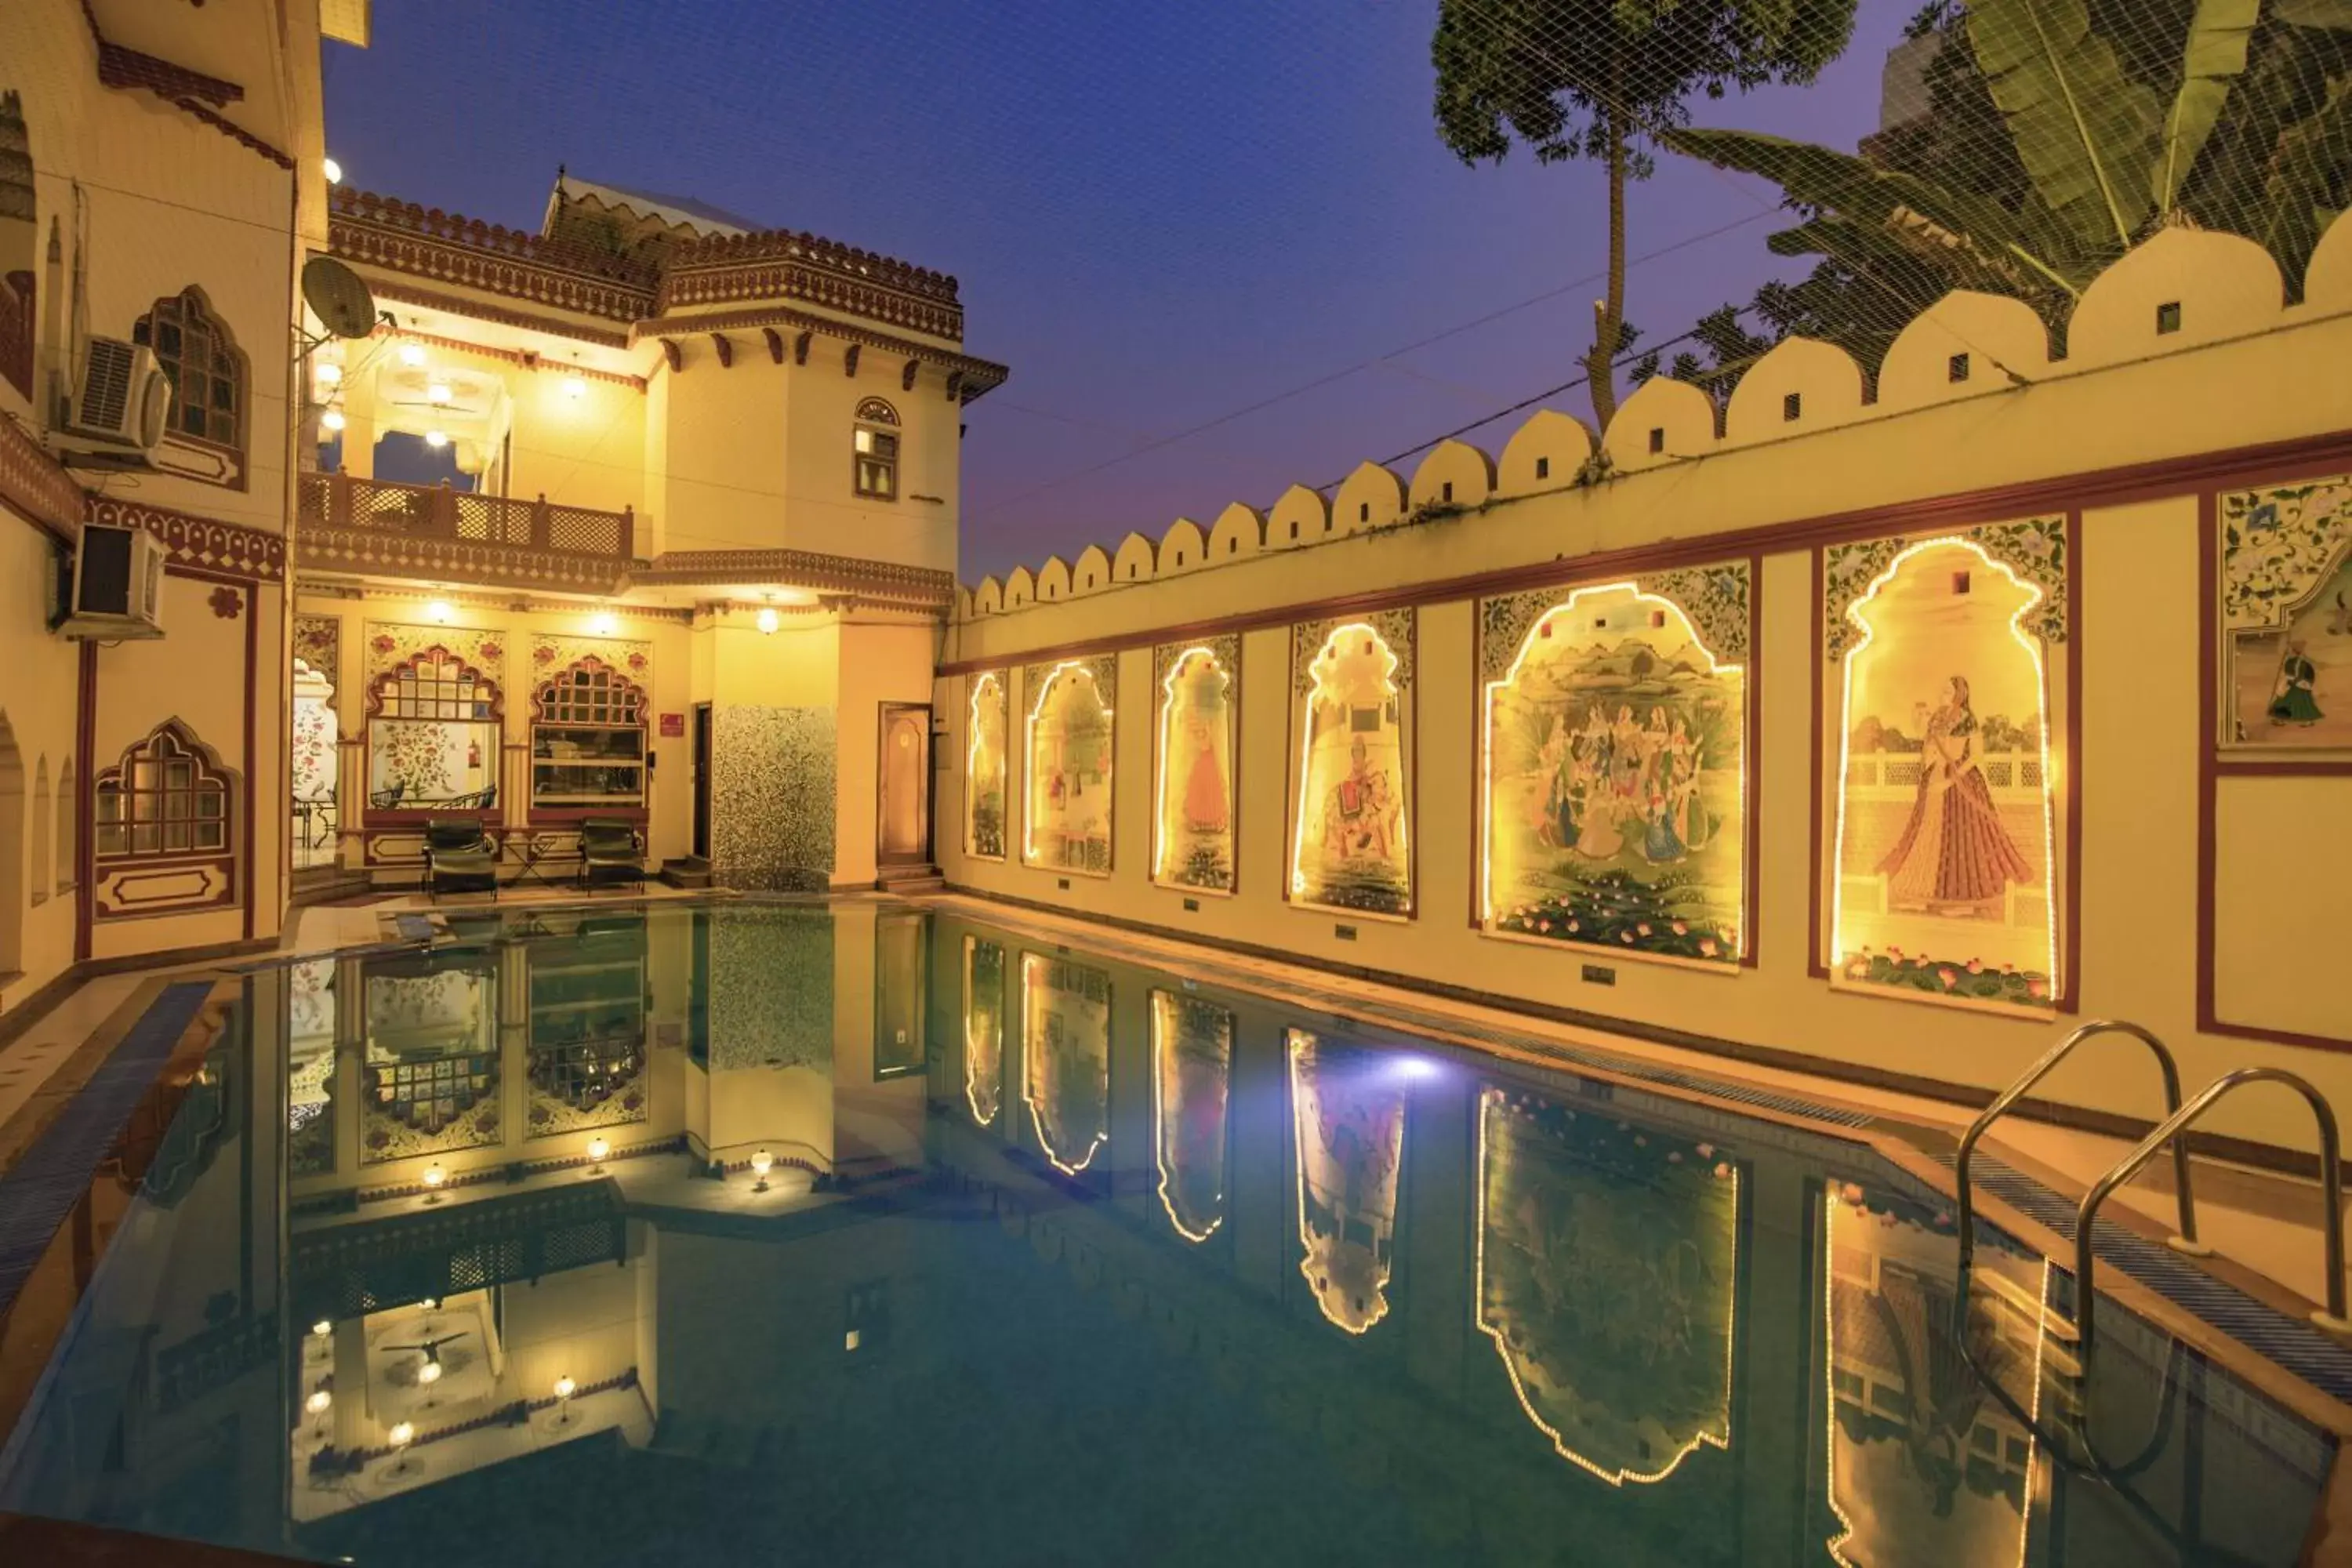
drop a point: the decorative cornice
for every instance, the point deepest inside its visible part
(199, 542)
(803, 568)
(979, 374)
(791, 280)
(34, 483)
(452, 560)
(525, 358)
(475, 309)
(193, 92)
(772, 246)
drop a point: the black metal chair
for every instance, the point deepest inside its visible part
(611, 852)
(459, 857)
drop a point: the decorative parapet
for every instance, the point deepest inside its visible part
(426, 242)
(2180, 290)
(203, 543)
(33, 483)
(880, 580)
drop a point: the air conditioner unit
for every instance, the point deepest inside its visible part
(118, 585)
(122, 399)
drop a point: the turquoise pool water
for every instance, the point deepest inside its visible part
(766, 1234)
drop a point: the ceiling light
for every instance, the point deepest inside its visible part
(766, 620)
(320, 1402)
(332, 419)
(436, 440)
(438, 612)
(430, 1372)
(575, 386)
(329, 373)
(438, 392)
(603, 624)
(411, 355)
(332, 170)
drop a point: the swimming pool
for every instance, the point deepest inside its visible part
(769, 1232)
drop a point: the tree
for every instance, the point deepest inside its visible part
(2060, 133)
(1602, 80)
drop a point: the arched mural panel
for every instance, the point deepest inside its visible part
(1945, 665)
(1352, 819)
(1196, 741)
(1347, 1108)
(1614, 796)
(1067, 824)
(1608, 1261)
(985, 755)
(1065, 1059)
(1192, 1081)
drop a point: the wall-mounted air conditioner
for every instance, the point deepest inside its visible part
(121, 402)
(118, 585)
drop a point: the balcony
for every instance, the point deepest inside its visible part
(377, 526)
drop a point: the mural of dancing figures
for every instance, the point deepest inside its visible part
(1070, 743)
(1350, 831)
(984, 768)
(1946, 828)
(1065, 1059)
(1192, 818)
(1608, 1267)
(1192, 1074)
(2285, 584)
(1925, 1465)
(984, 1029)
(1616, 743)
(1347, 1106)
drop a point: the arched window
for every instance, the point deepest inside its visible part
(433, 736)
(877, 449)
(69, 829)
(166, 798)
(588, 740)
(207, 371)
(37, 879)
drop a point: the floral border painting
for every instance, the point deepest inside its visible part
(2285, 588)
(1943, 678)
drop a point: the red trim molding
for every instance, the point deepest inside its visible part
(34, 484)
(202, 544)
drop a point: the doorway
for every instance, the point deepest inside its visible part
(702, 782)
(903, 807)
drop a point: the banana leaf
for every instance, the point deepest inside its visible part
(2333, 14)
(2210, 65)
(1985, 232)
(2296, 202)
(2088, 133)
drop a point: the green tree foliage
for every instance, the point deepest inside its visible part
(2057, 134)
(1603, 80)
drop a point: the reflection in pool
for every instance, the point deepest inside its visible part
(645, 1238)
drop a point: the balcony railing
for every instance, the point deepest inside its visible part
(438, 512)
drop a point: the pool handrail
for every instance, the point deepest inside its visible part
(2331, 1181)
(2186, 1241)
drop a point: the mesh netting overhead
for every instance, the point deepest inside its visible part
(2023, 144)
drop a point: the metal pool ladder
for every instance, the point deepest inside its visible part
(2174, 1128)
(2184, 1242)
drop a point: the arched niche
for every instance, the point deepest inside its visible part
(1196, 741)
(1348, 1110)
(1191, 1081)
(1351, 821)
(1067, 823)
(1065, 1059)
(987, 728)
(984, 1029)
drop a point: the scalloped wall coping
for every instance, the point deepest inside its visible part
(2180, 290)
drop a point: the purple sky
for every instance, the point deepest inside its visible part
(1157, 220)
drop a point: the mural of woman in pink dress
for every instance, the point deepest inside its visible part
(1205, 807)
(1953, 854)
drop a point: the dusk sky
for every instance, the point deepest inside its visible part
(1160, 216)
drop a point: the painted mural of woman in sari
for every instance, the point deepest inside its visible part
(1953, 853)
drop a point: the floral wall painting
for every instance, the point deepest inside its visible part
(1614, 792)
(1068, 824)
(1946, 828)
(1350, 829)
(1920, 1450)
(1192, 817)
(984, 770)
(984, 1029)
(315, 733)
(1347, 1107)
(2285, 582)
(1607, 1278)
(1066, 1054)
(1192, 1078)
(432, 1068)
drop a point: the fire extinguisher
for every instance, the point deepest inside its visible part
(474, 755)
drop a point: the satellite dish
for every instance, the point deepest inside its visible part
(338, 296)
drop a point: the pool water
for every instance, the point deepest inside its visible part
(862, 1233)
